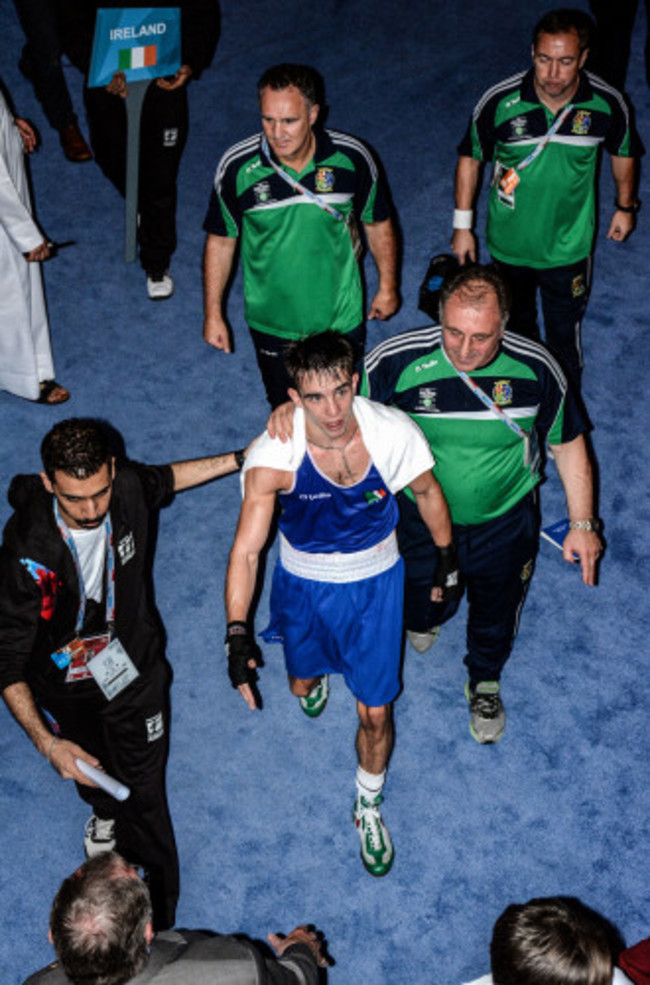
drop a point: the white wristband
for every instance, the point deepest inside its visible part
(463, 218)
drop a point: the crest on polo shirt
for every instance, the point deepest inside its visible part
(170, 137)
(518, 127)
(262, 192)
(426, 402)
(581, 122)
(324, 179)
(502, 393)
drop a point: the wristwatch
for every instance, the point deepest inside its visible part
(594, 525)
(633, 208)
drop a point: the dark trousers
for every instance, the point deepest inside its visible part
(497, 560)
(614, 26)
(130, 737)
(269, 350)
(163, 133)
(564, 294)
(41, 60)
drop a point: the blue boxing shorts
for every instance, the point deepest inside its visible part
(339, 624)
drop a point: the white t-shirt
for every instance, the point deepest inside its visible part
(91, 550)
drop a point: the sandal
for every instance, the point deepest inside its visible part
(52, 393)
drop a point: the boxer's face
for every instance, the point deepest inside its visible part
(326, 399)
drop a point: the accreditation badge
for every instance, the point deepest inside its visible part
(81, 650)
(505, 180)
(113, 669)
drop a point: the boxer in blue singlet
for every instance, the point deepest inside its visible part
(337, 594)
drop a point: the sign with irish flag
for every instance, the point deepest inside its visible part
(142, 42)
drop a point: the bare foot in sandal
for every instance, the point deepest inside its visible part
(52, 393)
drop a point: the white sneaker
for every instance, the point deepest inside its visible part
(160, 288)
(99, 836)
(421, 642)
(377, 851)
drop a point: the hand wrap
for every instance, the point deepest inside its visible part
(240, 648)
(448, 575)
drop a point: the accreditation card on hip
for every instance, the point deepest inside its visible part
(113, 669)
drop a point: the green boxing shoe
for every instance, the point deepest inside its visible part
(314, 704)
(377, 852)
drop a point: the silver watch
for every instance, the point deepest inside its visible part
(591, 526)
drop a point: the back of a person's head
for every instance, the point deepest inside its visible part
(551, 941)
(98, 922)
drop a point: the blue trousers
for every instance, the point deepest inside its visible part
(497, 560)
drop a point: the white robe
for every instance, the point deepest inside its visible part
(25, 352)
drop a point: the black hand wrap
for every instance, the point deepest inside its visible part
(448, 575)
(240, 648)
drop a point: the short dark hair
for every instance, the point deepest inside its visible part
(473, 284)
(77, 446)
(98, 922)
(551, 941)
(303, 77)
(326, 352)
(566, 20)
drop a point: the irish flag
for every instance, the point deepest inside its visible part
(143, 57)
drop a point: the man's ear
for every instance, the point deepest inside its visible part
(49, 936)
(294, 396)
(112, 467)
(583, 58)
(355, 382)
(47, 483)
(313, 114)
(148, 933)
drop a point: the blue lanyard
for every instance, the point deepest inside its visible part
(300, 188)
(499, 411)
(110, 569)
(553, 129)
(483, 397)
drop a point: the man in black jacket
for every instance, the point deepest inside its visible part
(82, 666)
(100, 926)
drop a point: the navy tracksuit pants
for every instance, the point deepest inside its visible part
(497, 560)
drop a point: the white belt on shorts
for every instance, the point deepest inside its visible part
(338, 567)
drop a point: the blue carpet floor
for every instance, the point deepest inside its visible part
(262, 801)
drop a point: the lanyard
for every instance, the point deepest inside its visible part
(110, 569)
(490, 404)
(300, 188)
(555, 126)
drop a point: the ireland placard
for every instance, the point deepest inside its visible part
(142, 42)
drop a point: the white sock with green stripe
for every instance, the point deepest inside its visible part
(369, 785)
